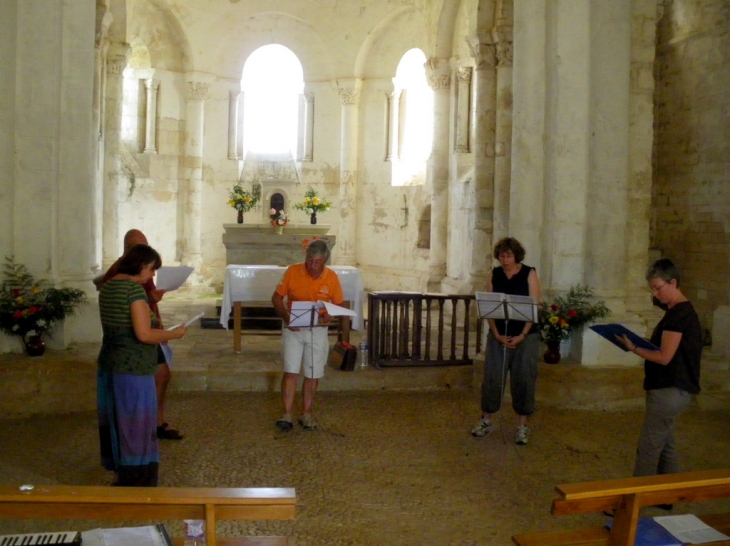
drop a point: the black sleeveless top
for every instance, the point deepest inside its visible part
(516, 286)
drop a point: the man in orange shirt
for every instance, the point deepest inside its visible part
(308, 281)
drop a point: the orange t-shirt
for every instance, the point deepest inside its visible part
(298, 285)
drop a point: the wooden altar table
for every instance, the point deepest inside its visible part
(256, 283)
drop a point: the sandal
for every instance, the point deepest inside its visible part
(164, 433)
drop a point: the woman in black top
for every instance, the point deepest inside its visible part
(671, 374)
(511, 347)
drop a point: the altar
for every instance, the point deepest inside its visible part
(259, 244)
(256, 283)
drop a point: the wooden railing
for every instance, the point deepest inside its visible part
(413, 329)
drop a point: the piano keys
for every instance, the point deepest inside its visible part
(68, 538)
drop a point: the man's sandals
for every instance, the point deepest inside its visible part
(164, 433)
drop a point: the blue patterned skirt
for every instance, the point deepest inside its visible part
(127, 409)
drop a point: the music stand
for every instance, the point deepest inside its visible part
(303, 314)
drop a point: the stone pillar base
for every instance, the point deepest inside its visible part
(592, 350)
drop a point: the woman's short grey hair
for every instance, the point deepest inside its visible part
(318, 248)
(663, 269)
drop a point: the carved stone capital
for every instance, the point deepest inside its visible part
(117, 58)
(504, 53)
(196, 90)
(463, 74)
(152, 85)
(349, 91)
(485, 55)
(438, 73)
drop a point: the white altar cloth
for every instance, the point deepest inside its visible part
(258, 282)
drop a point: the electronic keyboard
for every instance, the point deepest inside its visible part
(69, 538)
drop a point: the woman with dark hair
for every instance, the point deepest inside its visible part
(126, 394)
(671, 374)
(511, 346)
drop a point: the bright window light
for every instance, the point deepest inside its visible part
(417, 137)
(272, 82)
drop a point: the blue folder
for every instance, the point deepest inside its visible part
(610, 331)
(650, 533)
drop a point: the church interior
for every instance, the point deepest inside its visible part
(596, 132)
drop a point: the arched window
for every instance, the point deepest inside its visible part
(276, 202)
(272, 82)
(415, 119)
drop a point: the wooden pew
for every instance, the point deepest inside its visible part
(154, 503)
(627, 496)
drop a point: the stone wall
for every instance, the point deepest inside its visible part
(691, 195)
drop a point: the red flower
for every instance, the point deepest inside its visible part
(32, 310)
(18, 315)
(16, 293)
(554, 307)
(572, 313)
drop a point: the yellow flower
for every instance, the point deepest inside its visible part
(563, 323)
(246, 199)
(19, 300)
(315, 200)
(36, 289)
(231, 202)
(554, 319)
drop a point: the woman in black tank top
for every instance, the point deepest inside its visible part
(511, 347)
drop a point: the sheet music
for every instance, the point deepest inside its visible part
(171, 278)
(690, 528)
(496, 305)
(303, 314)
(148, 535)
(336, 310)
(188, 322)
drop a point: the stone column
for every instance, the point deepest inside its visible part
(349, 91)
(503, 140)
(393, 123)
(463, 105)
(308, 144)
(239, 123)
(196, 93)
(233, 95)
(152, 87)
(114, 178)
(528, 176)
(438, 73)
(480, 204)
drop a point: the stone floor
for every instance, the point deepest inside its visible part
(387, 466)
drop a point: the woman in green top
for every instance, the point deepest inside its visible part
(126, 396)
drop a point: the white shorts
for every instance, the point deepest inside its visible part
(305, 351)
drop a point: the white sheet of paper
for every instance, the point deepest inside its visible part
(337, 310)
(690, 528)
(171, 278)
(187, 323)
(521, 308)
(133, 536)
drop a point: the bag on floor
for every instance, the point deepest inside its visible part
(343, 356)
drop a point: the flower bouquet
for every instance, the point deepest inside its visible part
(241, 200)
(566, 313)
(28, 309)
(312, 204)
(278, 218)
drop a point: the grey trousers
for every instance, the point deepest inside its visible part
(521, 363)
(657, 451)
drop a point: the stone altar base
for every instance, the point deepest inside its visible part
(259, 244)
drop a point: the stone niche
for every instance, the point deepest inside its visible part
(259, 244)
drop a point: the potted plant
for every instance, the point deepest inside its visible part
(241, 200)
(560, 318)
(29, 309)
(312, 204)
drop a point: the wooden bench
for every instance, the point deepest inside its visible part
(627, 496)
(154, 503)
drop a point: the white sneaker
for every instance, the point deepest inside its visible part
(308, 422)
(522, 435)
(482, 428)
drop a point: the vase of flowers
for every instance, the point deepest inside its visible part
(278, 219)
(241, 200)
(313, 204)
(560, 318)
(29, 309)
